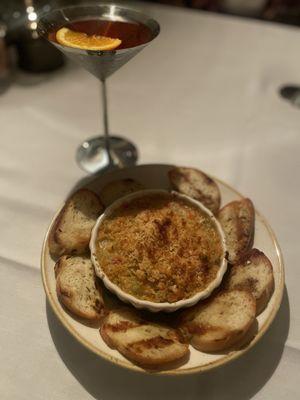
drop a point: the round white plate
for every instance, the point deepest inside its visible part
(155, 177)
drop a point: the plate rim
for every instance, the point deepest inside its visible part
(188, 371)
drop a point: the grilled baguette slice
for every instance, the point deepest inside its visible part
(77, 288)
(117, 189)
(196, 184)
(72, 228)
(237, 219)
(220, 322)
(145, 343)
(253, 273)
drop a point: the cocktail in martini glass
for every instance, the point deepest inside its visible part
(101, 38)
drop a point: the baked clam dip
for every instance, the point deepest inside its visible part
(159, 248)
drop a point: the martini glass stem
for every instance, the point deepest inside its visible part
(105, 121)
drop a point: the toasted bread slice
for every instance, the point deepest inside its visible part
(72, 229)
(253, 273)
(196, 184)
(77, 287)
(237, 219)
(148, 344)
(220, 322)
(117, 189)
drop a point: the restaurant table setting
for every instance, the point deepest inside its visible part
(207, 93)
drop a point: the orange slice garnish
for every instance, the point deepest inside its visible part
(80, 40)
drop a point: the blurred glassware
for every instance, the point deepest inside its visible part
(290, 93)
(34, 53)
(4, 59)
(4, 63)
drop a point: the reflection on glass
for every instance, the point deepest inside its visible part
(136, 31)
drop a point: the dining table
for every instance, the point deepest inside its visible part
(207, 94)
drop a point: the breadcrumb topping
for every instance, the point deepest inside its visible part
(159, 248)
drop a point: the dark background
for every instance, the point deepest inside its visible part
(21, 46)
(284, 11)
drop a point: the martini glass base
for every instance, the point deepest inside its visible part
(92, 155)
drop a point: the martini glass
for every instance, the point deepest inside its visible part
(136, 31)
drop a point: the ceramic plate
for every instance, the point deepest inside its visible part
(155, 177)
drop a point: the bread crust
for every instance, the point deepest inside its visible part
(209, 333)
(79, 245)
(245, 276)
(116, 189)
(237, 219)
(196, 184)
(155, 346)
(67, 296)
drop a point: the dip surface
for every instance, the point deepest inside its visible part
(159, 248)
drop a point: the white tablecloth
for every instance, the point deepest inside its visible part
(204, 94)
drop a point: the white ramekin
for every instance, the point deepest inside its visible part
(144, 304)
